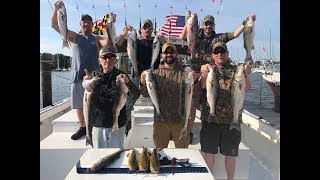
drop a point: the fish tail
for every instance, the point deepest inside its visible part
(248, 59)
(65, 44)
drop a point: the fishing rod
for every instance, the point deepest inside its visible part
(139, 17)
(219, 7)
(170, 20)
(77, 7)
(125, 13)
(155, 19)
(108, 6)
(94, 11)
(50, 5)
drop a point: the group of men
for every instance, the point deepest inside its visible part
(95, 57)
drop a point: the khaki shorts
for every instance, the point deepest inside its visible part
(164, 131)
(214, 136)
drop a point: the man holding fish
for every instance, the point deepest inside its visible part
(85, 47)
(221, 106)
(170, 89)
(106, 90)
(200, 41)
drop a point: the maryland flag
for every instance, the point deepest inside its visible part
(99, 27)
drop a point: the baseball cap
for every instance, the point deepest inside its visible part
(147, 24)
(219, 44)
(208, 18)
(107, 50)
(86, 17)
(166, 45)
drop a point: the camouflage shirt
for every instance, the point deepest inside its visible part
(204, 47)
(223, 107)
(168, 82)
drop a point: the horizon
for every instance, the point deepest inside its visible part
(267, 24)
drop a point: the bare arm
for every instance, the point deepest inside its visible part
(124, 34)
(183, 35)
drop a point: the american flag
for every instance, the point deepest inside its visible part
(177, 23)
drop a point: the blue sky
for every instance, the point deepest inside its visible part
(231, 14)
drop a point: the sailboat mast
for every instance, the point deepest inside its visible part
(270, 45)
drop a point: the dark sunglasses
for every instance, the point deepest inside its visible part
(209, 23)
(147, 27)
(169, 52)
(105, 57)
(221, 51)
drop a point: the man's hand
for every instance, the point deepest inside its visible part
(247, 69)
(143, 77)
(87, 76)
(188, 14)
(204, 70)
(58, 5)
(125, 78)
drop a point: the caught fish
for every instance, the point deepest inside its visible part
(248, 36)
(105, 161)
(153, 91)
(132, 52)
(88, 107)
(111, 29)
(237, 94)
(144, 162)
(187, 90)
(192, 34)
(155, 161)
(132, 160)
(155, 51)
(211, 86)
(62, 23)
(120, 101)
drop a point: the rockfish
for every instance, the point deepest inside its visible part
(132, 52)
(105, 161)
(186, 92)
(248, 36)
(211, 86)
(238, 87)
(192, 34)
(154, 161)
(88, 107)
(132, 160)
(153, 91)
(155, 51)
(111, 29)
(120, 101)
(62, 23)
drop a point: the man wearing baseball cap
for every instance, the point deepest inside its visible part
(168, 79)
(106, 94)
(206, 38)
(85, 47)
(221, 131)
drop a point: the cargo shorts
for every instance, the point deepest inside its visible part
(214, 137)
(77, 92)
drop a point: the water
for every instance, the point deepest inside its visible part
(61, 89)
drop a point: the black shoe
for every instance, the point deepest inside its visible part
(191, 136)
(81, 132)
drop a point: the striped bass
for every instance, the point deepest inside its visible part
(88, 107)
(187, 90)
(155, 51)
(153, 90)
(248, 36)
(111, 29)
(120, 101)
(62, 23)
(132, 52)
(107, 160)
(211, 86)
(192, 34)
(237, 94)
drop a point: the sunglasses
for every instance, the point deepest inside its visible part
(147, 27)
(169, 52)
(221, 51)
(209, 23)
(105, 57)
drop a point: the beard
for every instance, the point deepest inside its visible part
(169, 60)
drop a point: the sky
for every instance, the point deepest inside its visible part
(228, 16)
